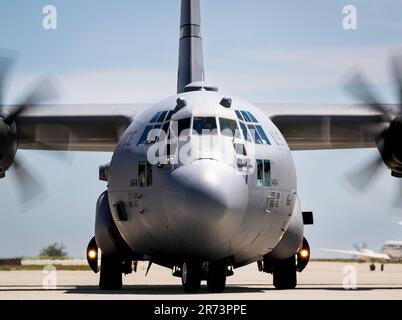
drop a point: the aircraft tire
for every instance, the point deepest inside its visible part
(191, 277)
(284, 273)
(216, 278)
(110, 273)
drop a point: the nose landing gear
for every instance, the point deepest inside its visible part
(215, 273)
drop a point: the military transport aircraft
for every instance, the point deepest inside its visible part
(171, 199)
(390, 251)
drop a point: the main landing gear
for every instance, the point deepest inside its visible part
(284, 273)
(110, 273)
(112, 269)
(373, 267)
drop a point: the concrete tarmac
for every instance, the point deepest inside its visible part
(320, 280)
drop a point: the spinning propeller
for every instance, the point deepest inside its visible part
(43, 90)
(389, 140)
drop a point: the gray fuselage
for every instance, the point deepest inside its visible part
(206, 207)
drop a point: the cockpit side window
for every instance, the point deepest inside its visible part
(144, 136)
(263, 173)
(246, 134)
(253, 119)
(263, 135)
(229, 128)
(205, 125)
(255, 134)
(267, 173)
(239, 116)
(144, 174)
(162, 116)
(165, 127)
(246, 116)
(260, 176)
(155, 117)
(169, 116)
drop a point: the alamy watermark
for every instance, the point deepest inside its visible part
(49, 281)
(349, 281)
(49, 21)
(349, 21)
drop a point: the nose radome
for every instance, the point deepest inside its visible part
(206, 202)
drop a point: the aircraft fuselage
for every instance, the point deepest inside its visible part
(197, 201)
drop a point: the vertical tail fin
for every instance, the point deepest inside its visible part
(191, 59)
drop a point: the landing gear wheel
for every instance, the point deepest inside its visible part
(110, 273)
(191, 276)
(372, 267)
(216, 278)
(285, 274)
(382, 267)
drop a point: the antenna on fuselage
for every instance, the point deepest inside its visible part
(191, 58)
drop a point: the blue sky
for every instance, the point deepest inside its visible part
(125, 51)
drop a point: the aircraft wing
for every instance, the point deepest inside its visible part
(99, 127)
(365, 254)
(325, 126)
(74, 127)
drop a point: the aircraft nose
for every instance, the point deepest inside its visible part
(205, 203)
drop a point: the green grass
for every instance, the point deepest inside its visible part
(40, 267)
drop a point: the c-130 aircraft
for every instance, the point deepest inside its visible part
(174, 202)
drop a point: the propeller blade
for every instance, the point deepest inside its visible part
(398, 198)
(44, 90)
(362, 178)
(30, 187)
(58, 154)
(5, 65)
(396, 66)
(358, 87)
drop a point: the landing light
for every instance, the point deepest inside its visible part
(92, 254)
(304, 253)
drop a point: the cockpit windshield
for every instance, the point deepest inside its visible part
(229, 128)
(205, 125)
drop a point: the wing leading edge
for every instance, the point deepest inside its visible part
(325, 126)
(366, 254)
(74, 127)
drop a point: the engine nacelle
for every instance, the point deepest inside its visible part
(8, 145)
(291, 241)
(107, 236)
(390, 148)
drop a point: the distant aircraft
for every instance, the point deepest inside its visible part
(173, 200)
(391, 251)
